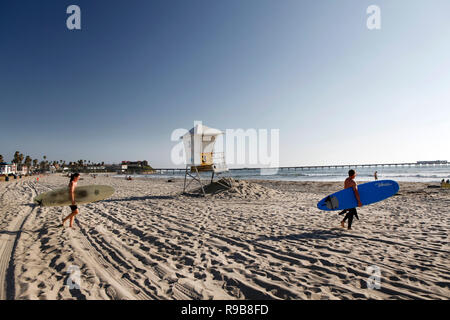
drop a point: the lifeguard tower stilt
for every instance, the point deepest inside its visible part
(200, 155)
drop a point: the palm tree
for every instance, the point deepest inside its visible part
(28, 163)
(16, 158)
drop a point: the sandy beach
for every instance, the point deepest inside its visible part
(261, 240)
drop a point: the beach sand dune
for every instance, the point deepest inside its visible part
(265, 240)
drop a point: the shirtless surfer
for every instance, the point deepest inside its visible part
(72, 185)
(350, 183)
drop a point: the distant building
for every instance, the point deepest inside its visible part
(8, 168)
(22, 170)
(113, 167)
(133, 166)
(136, 164)
(96, 168)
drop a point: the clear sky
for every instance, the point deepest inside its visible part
(115, 90)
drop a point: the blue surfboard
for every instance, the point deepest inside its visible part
(369, 192)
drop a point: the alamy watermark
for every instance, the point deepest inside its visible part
(244, 148)
(374, 19)
(374, 281)
(73, 21)
(74, 279)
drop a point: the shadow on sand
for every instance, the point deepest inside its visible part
(17, 232)
(212, 188)
(193, 195)
(140, 198)
(315, 234)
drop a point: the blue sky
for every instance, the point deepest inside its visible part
(115, 90)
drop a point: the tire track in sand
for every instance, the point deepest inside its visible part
(8, 243)
(115, 287)
(106, 269)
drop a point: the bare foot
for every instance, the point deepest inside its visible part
(342, 224)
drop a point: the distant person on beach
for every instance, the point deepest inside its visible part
(350, 183)
(72, 185)
(375, 175)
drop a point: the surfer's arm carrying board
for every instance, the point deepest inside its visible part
(355, 190)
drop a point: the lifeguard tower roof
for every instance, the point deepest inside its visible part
(201, 129)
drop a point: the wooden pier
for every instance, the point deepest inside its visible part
(338, 166)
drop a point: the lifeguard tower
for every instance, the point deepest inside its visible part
(199, 145)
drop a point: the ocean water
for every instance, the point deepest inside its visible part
(411, 174)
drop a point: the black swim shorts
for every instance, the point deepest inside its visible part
(73, 207)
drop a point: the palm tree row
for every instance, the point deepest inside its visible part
(34, 165)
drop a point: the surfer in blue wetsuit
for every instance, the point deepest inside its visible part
(350, 183)
(72, 185)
